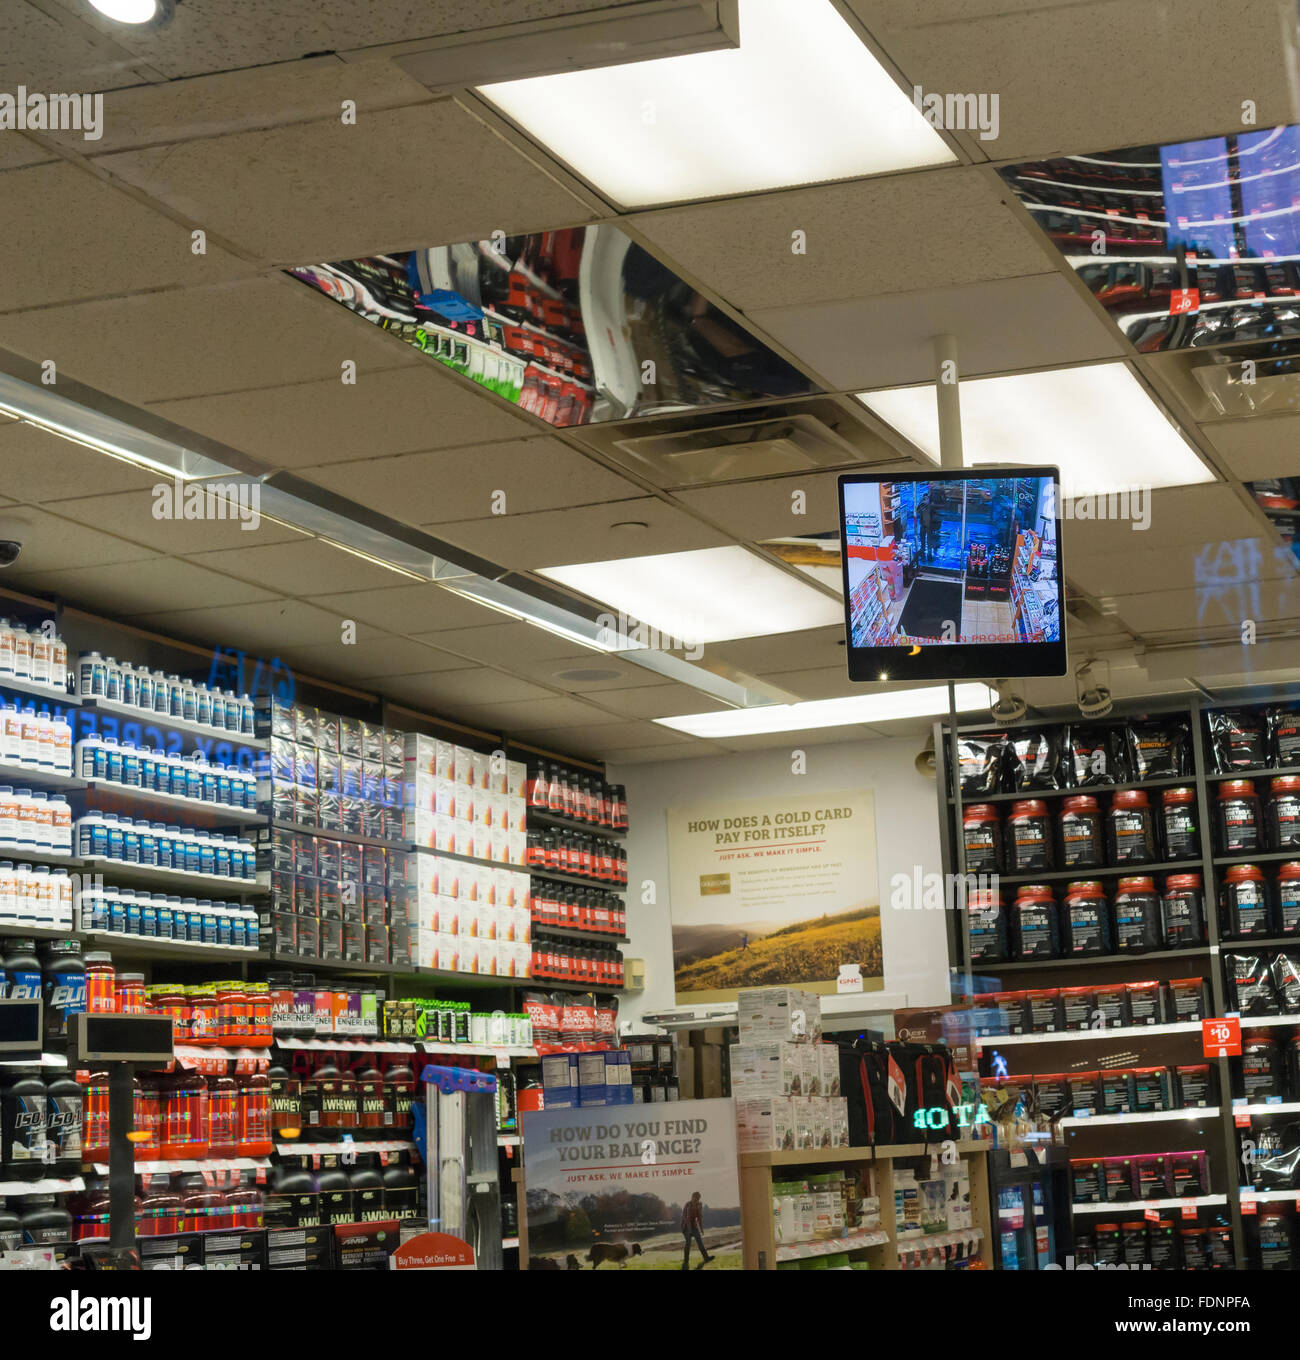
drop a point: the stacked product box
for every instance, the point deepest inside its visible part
(467, 918)
(1119, 1005)
(571, 1081)
(784, 1080)
(334, 900)
(935, 1204)
(463, 802)
(327, 771)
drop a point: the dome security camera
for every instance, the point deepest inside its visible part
(9, 550)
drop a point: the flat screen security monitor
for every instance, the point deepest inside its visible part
(953, 575)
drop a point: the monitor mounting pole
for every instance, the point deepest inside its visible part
(948, 401)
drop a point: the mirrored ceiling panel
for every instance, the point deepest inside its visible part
(576, 326)
(1186, 244)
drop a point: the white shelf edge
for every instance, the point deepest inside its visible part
(1282, 1107)
(1141, 1205)
(1143, 1117)
(1066, 1036)
(803, 1251)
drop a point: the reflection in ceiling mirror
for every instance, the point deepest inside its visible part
(576, 326)
(1185, 244)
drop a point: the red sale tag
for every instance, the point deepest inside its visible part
(1248, 1204)
(1242, 1121)
(1188, 1209)
(260, 1175)
(1182, 300)
(1221, 1038)
(1152, 1215)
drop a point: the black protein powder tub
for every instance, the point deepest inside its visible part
(1130, 829)
(982, 833)
(1261, 1068)
(987, 927)
(1182, 911)
(1079, 832)
(1288, 898)
(1237, 817)
(1085, 920)
(1178, 823)
(1284, 812)
(1029, 837)
(1244, 903)
(1137, 916)
(1036, 925)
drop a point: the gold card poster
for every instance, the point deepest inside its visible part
(773, 892)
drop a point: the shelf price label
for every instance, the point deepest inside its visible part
(1221, 1038)
(1189, 1207)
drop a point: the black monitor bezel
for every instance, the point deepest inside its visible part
(953, 661)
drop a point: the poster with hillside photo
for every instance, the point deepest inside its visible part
(646, 1187)
(773, 892)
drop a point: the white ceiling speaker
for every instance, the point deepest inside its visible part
(1009, 706)
(1093, 698)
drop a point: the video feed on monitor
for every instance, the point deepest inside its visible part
(952, 575)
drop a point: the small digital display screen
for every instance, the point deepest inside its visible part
(953, 575)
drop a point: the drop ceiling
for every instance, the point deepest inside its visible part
(228, 122)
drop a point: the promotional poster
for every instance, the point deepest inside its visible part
(774, 892)
(646, 1187)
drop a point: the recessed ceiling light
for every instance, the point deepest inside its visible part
(801, 101)
(709, 595)
(630, 526)
(136, 12)
(588, 675)
(1096, 423)
(931, 701)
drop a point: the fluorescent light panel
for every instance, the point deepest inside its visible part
(1097, 423)
(801, 101)
(710, 595)
(931, 701)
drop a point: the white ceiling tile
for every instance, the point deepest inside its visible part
(54, 544)
(135, 588)
(302, 567)
(558, 712)
(130, 514)
(44, 469)
(771, 508)
(692, 749)
(409, 609)
(808, 650)
(513, 645)
(479, 685)
(386, 411)
(1002, 324)
(217, 35)
(1180, 516)
(1182, 567)
(931, 229)
(1258, 447)
(268, 626)
(49, 52)
(821, 682)
(1217, 611)
(373, 657)
(190, 342)
(260, 96)
(1082, 77)
(44, 213)
(554, 538)
(396, 179)
(438, 487)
